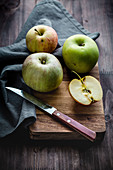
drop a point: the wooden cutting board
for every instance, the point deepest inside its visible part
(48, 128)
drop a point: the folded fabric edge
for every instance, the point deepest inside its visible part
(94, 35)
(65, 12)
(25, 123)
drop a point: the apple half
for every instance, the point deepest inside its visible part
(86, 90)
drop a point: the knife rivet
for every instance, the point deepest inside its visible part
(58, 114)
(68, 121)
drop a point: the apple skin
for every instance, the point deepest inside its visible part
(80, 53)
(41, 38)
(42, 72)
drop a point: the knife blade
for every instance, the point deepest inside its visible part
(83, 130)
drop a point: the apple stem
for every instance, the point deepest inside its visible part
(92, 99)
(83, 44)
(78, 76)
(43, 62)
(37, 31)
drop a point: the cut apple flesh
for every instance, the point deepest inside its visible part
(86, 90)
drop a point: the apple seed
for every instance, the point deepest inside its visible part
(89, 97)
(86, 91)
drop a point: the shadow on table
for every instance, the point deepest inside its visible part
(21, 138)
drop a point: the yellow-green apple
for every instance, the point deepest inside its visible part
(41, 38)
(86, 90)
(80, 53)
(42, 72)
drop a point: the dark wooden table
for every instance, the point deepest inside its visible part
(18, 151)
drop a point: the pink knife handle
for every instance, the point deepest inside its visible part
(89, 134)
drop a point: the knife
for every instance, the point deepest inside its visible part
(89, 134)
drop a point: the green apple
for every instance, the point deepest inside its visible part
(41, 38)
(42, 72)
(80, 53)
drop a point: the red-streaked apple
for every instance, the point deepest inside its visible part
(42, 72)
(41, 38)
(80, 53)
(86, 90)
